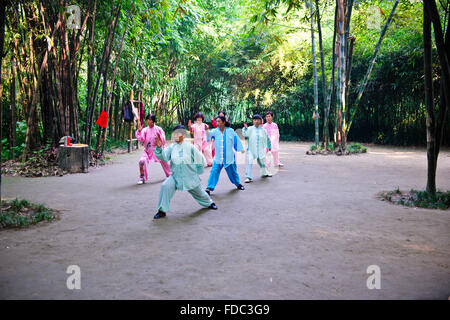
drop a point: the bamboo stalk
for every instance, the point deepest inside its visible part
(113, 79)
(34, 101)
(332, 85)
(316, 93)
(370, 68)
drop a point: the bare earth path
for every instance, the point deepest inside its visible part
(310, 232)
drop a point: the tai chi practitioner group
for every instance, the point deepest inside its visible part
(183, 162)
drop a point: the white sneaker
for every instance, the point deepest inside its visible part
(141, 181)
(248, 180)
(281, 165)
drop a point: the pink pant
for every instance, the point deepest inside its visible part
(205, 148)
(144, 161)
(276, 160)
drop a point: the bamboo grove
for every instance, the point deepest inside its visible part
(330, 70)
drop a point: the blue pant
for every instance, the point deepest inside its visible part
(215, 173)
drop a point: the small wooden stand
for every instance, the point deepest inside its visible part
(130, 144)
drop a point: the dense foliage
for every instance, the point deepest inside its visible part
(204, 55)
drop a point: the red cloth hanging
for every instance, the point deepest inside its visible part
(102, 121)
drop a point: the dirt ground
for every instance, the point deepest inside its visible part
(309, 232)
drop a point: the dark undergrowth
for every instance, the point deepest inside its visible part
(420, 199)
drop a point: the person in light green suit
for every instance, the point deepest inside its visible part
(186, 163)
(258, 141)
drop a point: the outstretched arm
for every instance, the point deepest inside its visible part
(163, 154)
(238, 144)
(213, 122)
(245, 131)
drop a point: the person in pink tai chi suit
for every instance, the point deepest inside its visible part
(198, 129)
(148, 137)
(274, 136)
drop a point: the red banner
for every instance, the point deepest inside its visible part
(102, 121)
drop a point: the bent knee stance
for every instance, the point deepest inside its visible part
(167, 185)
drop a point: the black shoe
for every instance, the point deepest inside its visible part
(208, 192)
(213, 206)
(240, 187)
(159, 215)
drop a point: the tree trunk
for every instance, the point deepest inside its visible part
(2, 38)
(13, 110)
(430, 124)
(74, 159)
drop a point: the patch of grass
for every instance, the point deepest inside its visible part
(21, 213)
(356, 148)
(420, 199)
(425, 200)
(331, 146)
